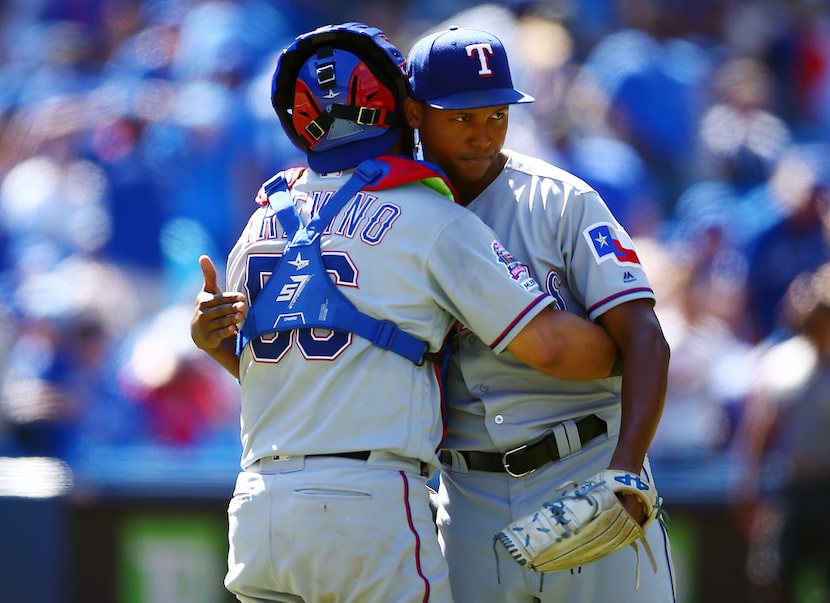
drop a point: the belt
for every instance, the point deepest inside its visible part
(360, 455)
(527, 458)
(363, 455)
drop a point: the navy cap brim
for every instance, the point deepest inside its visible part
(477, 99)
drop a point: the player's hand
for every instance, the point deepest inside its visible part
(634, 507)
(218, 314)
(632, 504)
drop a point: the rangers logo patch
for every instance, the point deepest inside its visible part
(609, 242)
(518, 272)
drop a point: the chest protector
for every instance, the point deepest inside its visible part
(300, 294)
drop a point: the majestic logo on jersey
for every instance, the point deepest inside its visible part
(517, 271)
(609, 242)
(482, 51)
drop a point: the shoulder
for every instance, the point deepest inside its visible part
(523, 166)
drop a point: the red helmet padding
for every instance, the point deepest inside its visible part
(363, 90)
(305, 111)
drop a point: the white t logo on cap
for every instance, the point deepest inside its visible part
(482, 49)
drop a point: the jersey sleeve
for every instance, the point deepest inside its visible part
(605, 269)
(482, 284)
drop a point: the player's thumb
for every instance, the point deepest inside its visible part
(209, 272)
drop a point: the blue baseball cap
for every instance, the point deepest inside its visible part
(461, 68)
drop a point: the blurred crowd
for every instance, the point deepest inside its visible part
(134, 135)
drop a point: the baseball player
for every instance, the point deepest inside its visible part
(785, 426)
(513, 434)
(341, 412)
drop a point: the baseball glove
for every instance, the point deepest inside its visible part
(583, 523)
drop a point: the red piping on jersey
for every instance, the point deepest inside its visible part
(415, 534)
(546, 297)
(618, 295)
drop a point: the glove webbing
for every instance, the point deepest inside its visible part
(556, 508)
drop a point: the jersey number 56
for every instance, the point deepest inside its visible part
(314, 344)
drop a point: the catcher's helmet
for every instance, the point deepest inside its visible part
(338, 92)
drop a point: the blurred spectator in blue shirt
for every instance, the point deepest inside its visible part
(741, 139)
(654, 75)
(797, 242)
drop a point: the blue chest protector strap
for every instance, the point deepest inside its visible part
(301, 294)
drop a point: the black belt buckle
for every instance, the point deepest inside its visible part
(506, 463)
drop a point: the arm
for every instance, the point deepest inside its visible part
(637, 332)
(216, 320)
(561, 344)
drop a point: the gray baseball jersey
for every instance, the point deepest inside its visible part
(407, 255)
(573, 245)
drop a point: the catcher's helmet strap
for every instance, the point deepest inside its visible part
(365, 116)
(325, 68)
(318, 127)
(362, 116)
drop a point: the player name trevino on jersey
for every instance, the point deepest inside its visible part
(361, 218)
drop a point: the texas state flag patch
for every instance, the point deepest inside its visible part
(610, 242)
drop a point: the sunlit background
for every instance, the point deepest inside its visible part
(134, 136)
